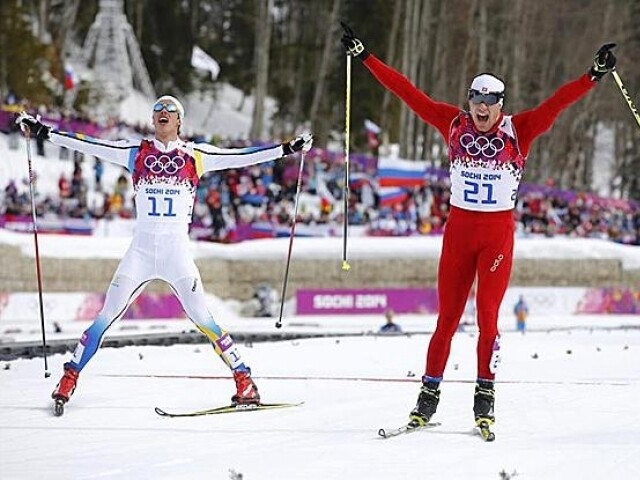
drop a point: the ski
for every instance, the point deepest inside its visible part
(227, 409)
(408, 428)
(484, 429)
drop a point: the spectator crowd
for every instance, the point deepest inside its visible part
(258, 201)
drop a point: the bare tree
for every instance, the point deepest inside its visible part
(410, 58)
(262, 45)
(467, 63)
(392, 42)
(326, 61)
(517, 23)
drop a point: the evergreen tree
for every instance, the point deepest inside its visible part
(24, 61)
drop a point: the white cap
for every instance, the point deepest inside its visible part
(487, 83)
(173, 100)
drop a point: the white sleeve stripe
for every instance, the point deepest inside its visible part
(92, 140)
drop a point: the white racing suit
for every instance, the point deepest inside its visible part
(165, 179)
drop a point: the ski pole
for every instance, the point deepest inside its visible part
(625, 94)
(347, 121)
(47, 374)
(291, 235)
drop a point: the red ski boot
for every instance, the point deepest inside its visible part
(247, 392)
(64, 390)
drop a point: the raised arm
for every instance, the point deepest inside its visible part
(438, 114)
(215, 158)
(532, 123)
(536, 121)
(120, 152)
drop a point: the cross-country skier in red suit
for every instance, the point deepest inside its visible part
(487, 153)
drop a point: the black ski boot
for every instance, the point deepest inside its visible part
(483, 401)
(426, 406)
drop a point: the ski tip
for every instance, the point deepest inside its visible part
(485, 432)
(489, 437)
(277, 405)
(160, 412)
(382, 433)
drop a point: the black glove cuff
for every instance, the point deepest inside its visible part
(364, 55)
(43, 132)
(596, 75)
(286, 148)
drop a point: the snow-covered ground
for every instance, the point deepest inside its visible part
(566, 408)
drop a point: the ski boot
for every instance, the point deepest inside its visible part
(246, 390)
(426, 405)
(483, 402)
(64, 390)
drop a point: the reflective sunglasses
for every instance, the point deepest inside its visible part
(169, 107)
(489, 98)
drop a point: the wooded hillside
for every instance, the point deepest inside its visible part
(290, 50)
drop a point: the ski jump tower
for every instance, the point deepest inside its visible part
(112, 52)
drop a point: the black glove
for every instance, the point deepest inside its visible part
(352, 45)
(39, 129)
(603, 62)
(301, 142)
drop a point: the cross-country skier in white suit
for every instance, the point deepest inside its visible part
(165, 172)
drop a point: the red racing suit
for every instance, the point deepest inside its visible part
(485, 170)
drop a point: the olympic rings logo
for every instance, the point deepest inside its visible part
(476, 145)
(165, 163)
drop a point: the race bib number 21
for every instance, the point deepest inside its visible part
(482, 193)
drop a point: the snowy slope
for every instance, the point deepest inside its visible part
(225, 113)
(569, 413)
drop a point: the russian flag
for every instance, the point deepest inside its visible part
(357, 180)
(282, 231)
(78, 226)
(327, 200)
(392, 195)
(302, 230)
(261, 230)
(373, 133)
(70, 78)
(394, 172)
